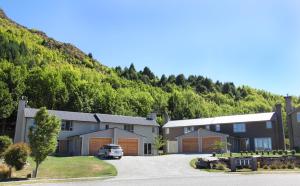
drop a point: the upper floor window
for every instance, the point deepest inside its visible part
(188, 129)
(298, 117)
(167, 130)
(129, 128)
(268, 124)
(218, 128)
(153, 129)
(207, 127)
(66, 125)
(239, 127)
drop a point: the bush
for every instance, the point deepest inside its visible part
(5, 142)
(262, 153)
(214, 154)
(220, 166)
(230, 154)
(283, 166)
(293, 152)
(274, 152)
(285, 152)
(16, 155)
(251, 152)
(273, 166)
(246, 153)
(256, 152)
(4, 171)
(280, 152)
(265, 167)
(290, 165)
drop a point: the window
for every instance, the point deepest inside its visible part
(239, 127)
(106, 126)
(298, 117)
(188, 129)
(207, 127)
(268, 124)
(167, 131)
(153, 130)
(218, 128)
(263, 144)
(129, 128)
(66, 125)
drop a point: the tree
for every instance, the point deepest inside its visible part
(220, 146)
(5, 142)
(16, 156)
(159, 142)
(43, 136)
(180, 80)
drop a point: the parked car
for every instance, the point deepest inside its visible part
(111, 151)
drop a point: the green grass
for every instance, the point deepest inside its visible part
(69, 167)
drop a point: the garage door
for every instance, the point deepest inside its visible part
(96, 143)
(189, 145)
(208, 144)
(129, 146)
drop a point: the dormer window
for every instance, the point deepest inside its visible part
(66, 125)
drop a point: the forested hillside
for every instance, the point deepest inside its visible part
(60, 76)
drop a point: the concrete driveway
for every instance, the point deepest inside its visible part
(138, 167)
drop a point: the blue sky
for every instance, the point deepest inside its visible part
(255, 42)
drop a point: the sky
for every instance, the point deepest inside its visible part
(248, 42)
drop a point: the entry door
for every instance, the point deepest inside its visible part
(147, 149)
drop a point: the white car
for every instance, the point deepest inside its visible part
(111, 151)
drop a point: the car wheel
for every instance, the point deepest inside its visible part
(119, 157)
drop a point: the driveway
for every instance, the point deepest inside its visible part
(138, 167)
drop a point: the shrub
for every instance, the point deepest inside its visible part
(246, 152)
(16, 155)
(214, 154)
(265, 167)
(286, 152)
(273, 166)
(5, 142)
(242, 152)
(280, 152)
(293, 152)
(268, 152)
(262, 153)
(290, 165)
(256, 152)
(283, 166)
(4, 171)
(230, 154)
(251, 152)
(274, 152)
(220, 166)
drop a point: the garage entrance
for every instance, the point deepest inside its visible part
(208, 144)
(190, 145)
(96, 143)
(129, 146)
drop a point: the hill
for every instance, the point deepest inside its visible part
(60, 76)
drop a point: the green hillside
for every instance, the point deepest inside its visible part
(60, 76)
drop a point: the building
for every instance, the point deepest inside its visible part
(293, 123)
(250, 132)
(85, 133)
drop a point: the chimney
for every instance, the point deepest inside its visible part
(152, 116)
(288, 104)
(20, 123)
(280, 129)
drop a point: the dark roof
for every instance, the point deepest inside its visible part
(89, 117)
(107, 118)
(64, 115)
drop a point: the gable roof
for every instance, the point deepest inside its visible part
(64, 115)
(89, 117)
(107, 118)
(221, 120)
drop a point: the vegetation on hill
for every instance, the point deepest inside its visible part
(60, 76)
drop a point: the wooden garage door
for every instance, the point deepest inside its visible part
(189, 145)
(96, 143)
(208, 144)
(129, 146)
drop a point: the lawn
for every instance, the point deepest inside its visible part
(69, 167)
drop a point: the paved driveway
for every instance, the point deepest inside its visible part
(174, 165)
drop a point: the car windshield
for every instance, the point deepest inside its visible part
(113, 147)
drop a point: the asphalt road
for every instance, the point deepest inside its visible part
(175, 170)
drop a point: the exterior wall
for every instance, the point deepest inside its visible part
(295, 129)
(79, 127)
(114, 134)
(75, 144)
(253, 130)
